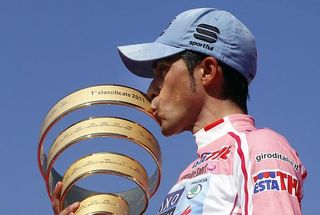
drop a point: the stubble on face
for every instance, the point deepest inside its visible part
(178, 101)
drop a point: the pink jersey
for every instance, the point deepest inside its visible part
(240, 170)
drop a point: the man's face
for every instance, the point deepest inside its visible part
(176, 100)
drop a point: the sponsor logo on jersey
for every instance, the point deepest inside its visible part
(277, 156)
(276, 180)
(215, 155)
(169, 205)
(194, 173)
(194, 191)
(200, 181)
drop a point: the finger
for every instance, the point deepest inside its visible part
(56, 198)
(70, 209)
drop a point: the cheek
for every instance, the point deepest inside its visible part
(177, 104)
(177, 94)
(172, 98)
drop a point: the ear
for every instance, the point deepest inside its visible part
(211, 74)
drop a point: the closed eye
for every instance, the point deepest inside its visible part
(161, 69)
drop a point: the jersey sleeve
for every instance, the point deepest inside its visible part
(268, 174)
(275, 175)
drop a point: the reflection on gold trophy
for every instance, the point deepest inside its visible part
(132, 201)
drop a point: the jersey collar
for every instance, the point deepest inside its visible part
(217, 129)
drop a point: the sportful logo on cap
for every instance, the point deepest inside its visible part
(207, 33)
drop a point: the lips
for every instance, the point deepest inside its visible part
(156, 116)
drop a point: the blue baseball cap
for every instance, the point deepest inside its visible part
(209, 31)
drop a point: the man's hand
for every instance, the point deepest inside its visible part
(56, 203)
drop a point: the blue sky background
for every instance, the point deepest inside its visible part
(51, 48)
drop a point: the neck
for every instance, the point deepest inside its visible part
(214, 111)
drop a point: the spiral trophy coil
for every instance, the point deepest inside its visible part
(133, 201)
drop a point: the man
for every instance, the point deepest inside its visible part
(201, 67)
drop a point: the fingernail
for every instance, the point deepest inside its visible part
(76, 204)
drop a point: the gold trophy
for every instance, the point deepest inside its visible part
(133, 201)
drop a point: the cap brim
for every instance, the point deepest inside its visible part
(140, 58)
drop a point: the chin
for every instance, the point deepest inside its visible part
(166, 133)
(169, 131)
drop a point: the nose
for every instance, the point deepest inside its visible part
(153, 94)
(153, 90)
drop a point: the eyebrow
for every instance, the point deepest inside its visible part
(166, 61)
(162, 63)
